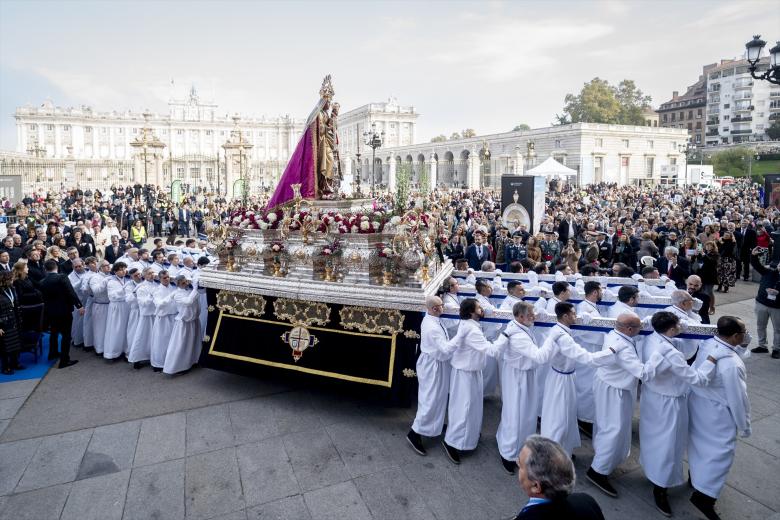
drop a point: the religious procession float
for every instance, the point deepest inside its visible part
(317, 285)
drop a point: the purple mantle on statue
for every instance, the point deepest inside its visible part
(300, 169)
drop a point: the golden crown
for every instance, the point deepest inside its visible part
(326, 91)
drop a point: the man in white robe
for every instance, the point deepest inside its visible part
(115, 343)
(663, 417)
(628, 299)
(141, 343)
(468, 349)
(433, 376)
(591, 341)
(614, 394)
(185, 344)
(491, 330)
(682, 307)
(99, 289)
(89, 272)
(515, 292)
(136, 277)
(559, 407)
(519, 388)
(451, 301)
(76, 278)
(717, 413)
(164, 318)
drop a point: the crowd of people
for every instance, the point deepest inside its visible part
(81, 263)
(117, 273)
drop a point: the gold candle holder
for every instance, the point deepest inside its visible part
(387, 278)
(328, 274)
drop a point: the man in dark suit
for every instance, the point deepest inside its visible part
(677, 268)
(59, 299)
(5, 261)
(746, 238)
(477, 252)
(184, 220)
(114, 250)
(605, 249)
(546, 475)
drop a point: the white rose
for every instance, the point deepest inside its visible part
(375, 225)
(364, 226)
(271, 217)
(263, 225)
(395, 220)
(386, 251)
(354, 229)
(364, 218)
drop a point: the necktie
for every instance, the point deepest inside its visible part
(670, 269)
(479, 250)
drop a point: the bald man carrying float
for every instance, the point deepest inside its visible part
(433, 376)
(614, 394)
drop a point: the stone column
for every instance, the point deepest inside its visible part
(138, 164)
(474, 180)
(432, 172)
(95, 143)
(390, 175)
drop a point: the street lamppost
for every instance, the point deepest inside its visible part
(685, 149)
(750, 165)
(754, 48)
(373, 139)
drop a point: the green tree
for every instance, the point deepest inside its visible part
(403, 173)
(633, 103)
(522, 127)
(774, 131)
(455, 135)
(469, 132)
(439, 138)
(733, 162)
(600, 102)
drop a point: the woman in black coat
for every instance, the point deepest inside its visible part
(10, 341)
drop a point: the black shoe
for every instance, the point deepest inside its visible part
(19, 367)
(601, 482)
(759, 350)
(705, 504)
(157, 369)
(452, 453)
(89, 349)
(98, 354)
(726, 290)
(68, 363)
(415, 440)
(137, 365)
(662, 501)
(509, 465)
(586, 428)
(775, 354)
(53, 357)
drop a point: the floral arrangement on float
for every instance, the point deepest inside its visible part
(331, 221)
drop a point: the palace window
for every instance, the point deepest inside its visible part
(650, 144)
(208, 132)
(557, 143)
(33, 126)
(599, 142)
(625, 143)
(66, 128)
(649, 164)
(87, 129)
(179, 132)
(50, 127)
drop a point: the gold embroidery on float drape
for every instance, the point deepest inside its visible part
(241, 304)
(301, 312)
(371, 320)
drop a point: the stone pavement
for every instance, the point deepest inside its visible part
(103, 441)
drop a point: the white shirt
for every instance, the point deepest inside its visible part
(620, 308)
(688, 317)
(522, 351)
(564, 352)
(509, 302)
(469, 347)
(434, 338)
(729, 383)
(674, 376)
(629, 369)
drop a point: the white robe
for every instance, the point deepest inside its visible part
(590, 341)
(77, 326)
(469, 349)
(559, 407)
(663, 417)
(490, 372)
(433, 378)
(115, 343)
(716, 412)
(614, 394)
(89, 334)
(184, 347)
(141, 344)
(518, 391)
(165, 316)
(132, 319)
(451, 306)
(98, 287)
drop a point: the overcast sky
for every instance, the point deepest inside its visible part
(481, 65)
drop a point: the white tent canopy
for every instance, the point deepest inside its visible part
(551, 168)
